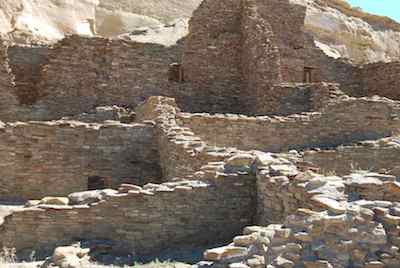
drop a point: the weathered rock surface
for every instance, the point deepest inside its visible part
(338, 30)
(46, 21)
(68, 257)
(349, 33)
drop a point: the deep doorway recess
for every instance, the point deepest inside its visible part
(96, 183)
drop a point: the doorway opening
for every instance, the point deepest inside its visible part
(96, 183)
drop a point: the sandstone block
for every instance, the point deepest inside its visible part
(60, 201)
(329, 204)
(221, 253)
(70, 257)
(88, 197)
(245, 240)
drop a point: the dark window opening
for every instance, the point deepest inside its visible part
(308, 74)
(175, 73)
(95, 183)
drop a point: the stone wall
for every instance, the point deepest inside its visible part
(378, 156)
(294, 98)
(288, 35)
(26, 64)
(328, 69)
(372, 187)
(143, 221)
(78, 74)
(319, 221)
(233, 62)
(182, 153)
(365, 235)
(344, 121)
(83, 73)
(234, 59)
(260, 59)
(282, 189)
(381, 79)
(57, 158)
(212, 56)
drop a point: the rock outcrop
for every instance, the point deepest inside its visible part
(339, 30)
(46, 21)
(342, 31)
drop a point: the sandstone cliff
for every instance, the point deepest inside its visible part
(342, 31)
(46, 21)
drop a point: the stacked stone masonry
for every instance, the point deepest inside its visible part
(321, 222)
(242, 125)
(377, 156)
(234, 63)
(143, 221)
(58, 158)
(360, 119)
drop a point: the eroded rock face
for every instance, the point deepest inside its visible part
(340, 32)
(46, 21)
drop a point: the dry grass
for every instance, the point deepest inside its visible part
(11, 263)
(154, 264)
(375, 20)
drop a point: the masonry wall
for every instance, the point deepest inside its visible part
(260, 59)
(328, 69)
(294, 98)
(78, 74)
(287, 20)
(8, 101)
(212, 56)
(172, 216)
(381, 79)
(342, 122)
(83, 73)
(182, 153)
(57, 158)
(26, 63)
(235, 56)
(380, 156)
(279, 195)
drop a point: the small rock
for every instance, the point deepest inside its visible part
(59, 201)
(329, 204)
(217, 254)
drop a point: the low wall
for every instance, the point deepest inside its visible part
(293, 98)
(182, 153)
(172, 215)
(341, 122)
(57, 158)
(372, 187)
(378, 156)
(281, 193)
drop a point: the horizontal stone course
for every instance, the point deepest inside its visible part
(378, 156)
(144, 221)
(345, 121)
(57, 158)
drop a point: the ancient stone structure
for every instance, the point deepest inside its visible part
(58, 158)
(235, 63)
(243, 125)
